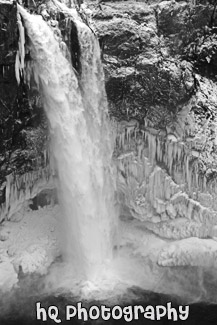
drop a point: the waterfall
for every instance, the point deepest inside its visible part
(82, 142)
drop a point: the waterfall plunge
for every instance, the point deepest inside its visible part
(82, 143)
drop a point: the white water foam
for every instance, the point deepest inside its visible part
(82, 145)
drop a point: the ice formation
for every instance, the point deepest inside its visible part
(20, 57)
(162, 164)
(21, 188)
(162, 187)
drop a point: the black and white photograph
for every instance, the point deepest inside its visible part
(108, 162)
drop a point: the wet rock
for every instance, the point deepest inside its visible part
(181, 22)
(141, 73)
(44, 198)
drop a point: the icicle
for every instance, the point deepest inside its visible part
(135, 132)
(188, 179)
(22, 188)
(179, 153)
(170, 156)
(152, 147)
(140, 150)
(158, 149)
(196, 175)
(167, 188)
(20, 56)
(68, 22)
(17, 68)
(128, 134)
(165, 153)
(204, 183)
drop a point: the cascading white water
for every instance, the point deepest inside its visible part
(82, 143)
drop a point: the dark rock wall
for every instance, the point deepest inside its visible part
(146, 53)
(22, 125)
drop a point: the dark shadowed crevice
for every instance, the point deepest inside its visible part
(75, 48)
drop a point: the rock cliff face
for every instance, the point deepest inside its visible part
(161, 80)
(20, 112)
(160, 68)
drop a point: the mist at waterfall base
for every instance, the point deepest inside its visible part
(102, 258)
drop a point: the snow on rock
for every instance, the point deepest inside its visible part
(34, 259)
(143, 243)
(8, 276)
(181, 228)
(30, 244)
(191, 251)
